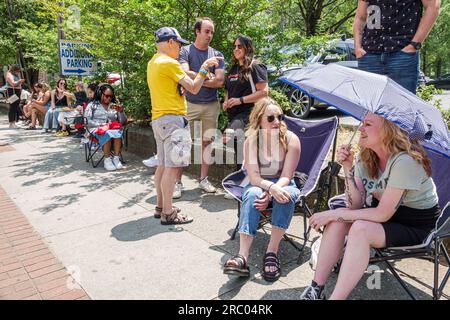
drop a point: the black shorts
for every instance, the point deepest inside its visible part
(409, 226)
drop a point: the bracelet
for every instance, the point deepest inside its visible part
(268, 190)
(203, 73)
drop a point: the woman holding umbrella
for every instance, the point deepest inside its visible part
(391, 202)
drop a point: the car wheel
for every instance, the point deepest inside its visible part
(301, 103)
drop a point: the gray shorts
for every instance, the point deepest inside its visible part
(173, 141)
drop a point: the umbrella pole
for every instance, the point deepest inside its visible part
(353, 136)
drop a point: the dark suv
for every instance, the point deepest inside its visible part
(340, 52)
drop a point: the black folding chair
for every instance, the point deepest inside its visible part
(316, 141)
(432, 248)
(92, 147)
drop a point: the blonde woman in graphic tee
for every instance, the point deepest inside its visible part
(391, 202)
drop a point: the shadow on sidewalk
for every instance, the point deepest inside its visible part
(141, 229)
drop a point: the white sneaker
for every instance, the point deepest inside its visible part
(109, 165)
(117, 163)
(177, 190)
(228, 196)
(206, 186)
(151, 162)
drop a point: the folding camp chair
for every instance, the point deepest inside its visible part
(432, 247)
(316, 142)
(92, 146)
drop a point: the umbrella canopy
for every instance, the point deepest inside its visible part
(357, 92)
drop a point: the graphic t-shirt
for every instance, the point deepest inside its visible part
(237, 88)
(195, 58)
(402, 172)
(163, 77)
(391, 24)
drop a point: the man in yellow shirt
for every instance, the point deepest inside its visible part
(167, 82)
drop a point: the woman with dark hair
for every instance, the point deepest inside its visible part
(105, 109)
(92, 87)
(246, 83)
(40, 106)
(60, 98)
(35, 94)
(14, 89)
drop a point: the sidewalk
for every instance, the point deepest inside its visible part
(100, 226)
(28, 270)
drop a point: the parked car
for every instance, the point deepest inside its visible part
(341, 52)
(114, 79)
(442, 82)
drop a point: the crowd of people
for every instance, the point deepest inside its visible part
(60, 111)
(386, 205)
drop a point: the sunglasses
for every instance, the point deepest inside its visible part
(238, 46)
(107, 95)
(271, 118)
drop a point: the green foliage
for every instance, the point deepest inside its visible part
(122, 34)
(281, 98)
(428, 93)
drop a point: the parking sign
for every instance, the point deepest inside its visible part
(76, 58)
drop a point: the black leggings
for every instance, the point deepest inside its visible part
(14, 109)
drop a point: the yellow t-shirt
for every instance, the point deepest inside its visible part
(163, 75)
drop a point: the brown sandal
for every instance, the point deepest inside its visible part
(176, 218)
(158, 211)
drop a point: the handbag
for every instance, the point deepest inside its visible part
(12, 99)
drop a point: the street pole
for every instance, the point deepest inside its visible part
(60, 35)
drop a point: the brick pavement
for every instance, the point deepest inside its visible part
(28, 269)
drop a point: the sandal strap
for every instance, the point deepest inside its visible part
(271, 259)
(159, 209)
(241, 262)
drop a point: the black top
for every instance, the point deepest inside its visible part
(81, 98)
(61, 102)
(240, 87)
(391, 24)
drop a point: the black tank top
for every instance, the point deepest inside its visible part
(60, 102)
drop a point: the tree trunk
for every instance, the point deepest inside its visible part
(424, 61)
(438, 67)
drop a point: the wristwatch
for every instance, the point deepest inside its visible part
(416, 45)
(241, 99)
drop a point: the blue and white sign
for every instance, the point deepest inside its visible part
(76, 58)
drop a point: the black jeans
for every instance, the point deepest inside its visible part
(14, 110)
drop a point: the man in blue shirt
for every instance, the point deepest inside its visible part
(203, 108)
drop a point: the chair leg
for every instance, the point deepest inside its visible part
(306, 231)
(436, 270)
(233, 235)
(447, 274)
(391, 268)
